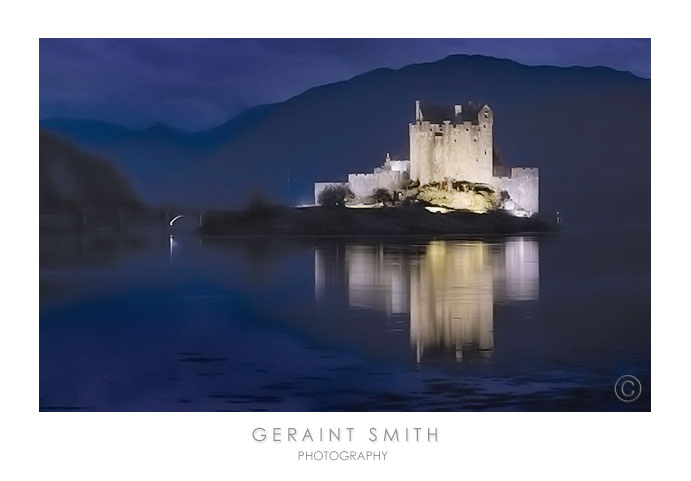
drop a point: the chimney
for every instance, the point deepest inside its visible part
(418, 112)
(457, 110)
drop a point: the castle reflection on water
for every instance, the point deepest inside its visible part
(443, 291)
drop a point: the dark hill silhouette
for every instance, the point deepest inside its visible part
(588, 129)
(160, 160)
(71, 179)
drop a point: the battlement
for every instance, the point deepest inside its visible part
(426, 127)
(353, 177)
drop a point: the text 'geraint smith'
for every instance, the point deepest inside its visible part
(340, 434)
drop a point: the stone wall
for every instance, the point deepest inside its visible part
(364, 185)
(523, 187)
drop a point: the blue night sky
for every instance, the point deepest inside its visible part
(200, 83)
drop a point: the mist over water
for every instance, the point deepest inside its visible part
(149, 321)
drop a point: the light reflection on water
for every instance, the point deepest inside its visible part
(154, 322)
(447, 289)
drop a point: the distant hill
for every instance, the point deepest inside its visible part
(160, 160)
(72, 179)
(588, 129)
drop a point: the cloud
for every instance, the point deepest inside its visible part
(198, 83)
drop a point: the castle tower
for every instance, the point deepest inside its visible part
(451, 143)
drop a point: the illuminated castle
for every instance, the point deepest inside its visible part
(449, 144)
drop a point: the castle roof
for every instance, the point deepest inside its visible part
(438, 114)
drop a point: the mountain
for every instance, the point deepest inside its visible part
(160, 160)
(71, 179)
(587, 129)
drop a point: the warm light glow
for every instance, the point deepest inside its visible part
(447, 289)
(438, 210)
(520, 213)
(364, 206)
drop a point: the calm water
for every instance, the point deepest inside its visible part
(144, 321)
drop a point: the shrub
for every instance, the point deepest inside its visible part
(483, 189)
(383, 196)
(335, 196)
(461, 185)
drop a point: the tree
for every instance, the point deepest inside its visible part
(383, 196)
(335, 196)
